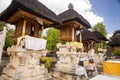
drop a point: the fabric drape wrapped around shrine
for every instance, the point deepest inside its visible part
(35, 43)
(2, 41)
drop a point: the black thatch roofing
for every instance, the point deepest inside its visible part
(86, 35)
(99, 36)
(70, 15)
(115, 41)
(32, 6)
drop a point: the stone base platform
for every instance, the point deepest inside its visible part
(59, 74)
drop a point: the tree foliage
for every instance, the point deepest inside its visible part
(9, 39)
(2, 24)
(116, 50)
(53, 37)
(47, 61)
(101, 28)
(116, 33)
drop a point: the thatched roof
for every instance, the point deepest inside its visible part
(99, 36)
(115, 41)
(86, 36)
(32, 6)
(71, 15)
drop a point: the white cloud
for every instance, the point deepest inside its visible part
(83, 7)
(109, 35)
(93, 18)
(4, 4)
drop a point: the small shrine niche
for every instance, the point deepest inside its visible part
(68, 30)
(71, 22)
(23, 28)
(27, 24)
(27, 27)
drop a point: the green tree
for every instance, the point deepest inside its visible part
(101, 28)
(2, 24)
(53, 37)
(116, 50)
(9, 39)
(116, 33)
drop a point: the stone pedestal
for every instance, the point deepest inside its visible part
(68, 61)
(66, 67)
(24, 65)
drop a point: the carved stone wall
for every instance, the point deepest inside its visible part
(24, 65)
(65, 68)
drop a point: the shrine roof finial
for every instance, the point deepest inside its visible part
(70, 6)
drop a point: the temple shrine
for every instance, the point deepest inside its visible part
(29, 17)
(70, 23)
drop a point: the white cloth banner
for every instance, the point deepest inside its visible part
(114, 61)
(2, 41)
(3, 36)
(105, 77)
(0, 52)
(35, 43)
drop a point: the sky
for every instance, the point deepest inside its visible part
(106, 11)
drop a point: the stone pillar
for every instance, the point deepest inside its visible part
(24, 65)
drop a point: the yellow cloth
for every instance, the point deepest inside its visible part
(111, 68)
(80, 45)
(100, 49)
(73, 44)
(77, 44)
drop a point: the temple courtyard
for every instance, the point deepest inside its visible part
(79, 54)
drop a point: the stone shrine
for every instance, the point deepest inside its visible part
(24, 65)
(71, 22)
(65, 68)
(30, 17)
